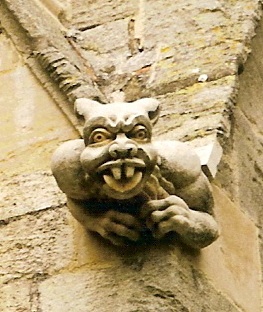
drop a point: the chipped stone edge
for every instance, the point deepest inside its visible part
(210, 156)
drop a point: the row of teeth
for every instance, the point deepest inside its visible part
(117, 172)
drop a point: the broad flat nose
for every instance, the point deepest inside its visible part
(122, 147)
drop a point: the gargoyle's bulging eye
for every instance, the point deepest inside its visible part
(139, 133)
(99, 135)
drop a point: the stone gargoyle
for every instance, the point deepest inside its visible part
(129, 188)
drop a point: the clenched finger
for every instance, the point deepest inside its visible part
(158, 216)
(122, 230)
(176, 224)
(161, 204)
(125, 219)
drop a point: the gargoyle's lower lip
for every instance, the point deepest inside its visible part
(123, 185)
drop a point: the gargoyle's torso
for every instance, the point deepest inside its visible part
(127, 187)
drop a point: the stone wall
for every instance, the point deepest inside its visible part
(241, 168)
(188, 54)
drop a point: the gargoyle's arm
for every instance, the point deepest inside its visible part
(181, 166)
(189, 210)
(68, 172)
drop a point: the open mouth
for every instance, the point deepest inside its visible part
(122, 175)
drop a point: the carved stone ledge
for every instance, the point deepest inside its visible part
(36, 34)
(210, 156)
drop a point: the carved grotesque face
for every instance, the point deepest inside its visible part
(118, 153)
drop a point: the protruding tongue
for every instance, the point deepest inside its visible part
(125, 185)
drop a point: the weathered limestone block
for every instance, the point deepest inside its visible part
(233, 263)
(157, 280)
(241, 169)
(16, 296)
(35, 243)
(192, 114)
(89, 14)
(24, 130)
(15, 199)
(37, 33)
(59, 8)
(12, 58)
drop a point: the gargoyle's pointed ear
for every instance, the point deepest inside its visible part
(152, 107)
(84, 107)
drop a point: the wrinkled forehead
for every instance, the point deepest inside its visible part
(117, 115)
(118, 111)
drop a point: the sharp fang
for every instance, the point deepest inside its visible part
(116, 172)
(129, 171)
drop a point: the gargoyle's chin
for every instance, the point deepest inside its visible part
(123, 188)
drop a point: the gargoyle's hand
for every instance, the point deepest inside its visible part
(196, 228)
(118, 227)
(171, 214)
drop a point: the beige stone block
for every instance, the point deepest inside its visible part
(39, 243)
(9, 58)
(232, 263)
(91, 250)
(195, 112)
(146, 281)
(87, 15)
(32, 126)
(15, 297)
(28, 192)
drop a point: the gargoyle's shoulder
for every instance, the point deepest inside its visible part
(67, 152)
(67, 170)
(178, 162)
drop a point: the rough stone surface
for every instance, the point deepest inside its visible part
(29, 119)
(15, 296)
(135, 271)
(145, 281)
(241, 170)
(14, 199)
(143, 48)
(89, 14)
(235, 255)
(245, 143)
(37, 36)
(163, 58)
(33, 243)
